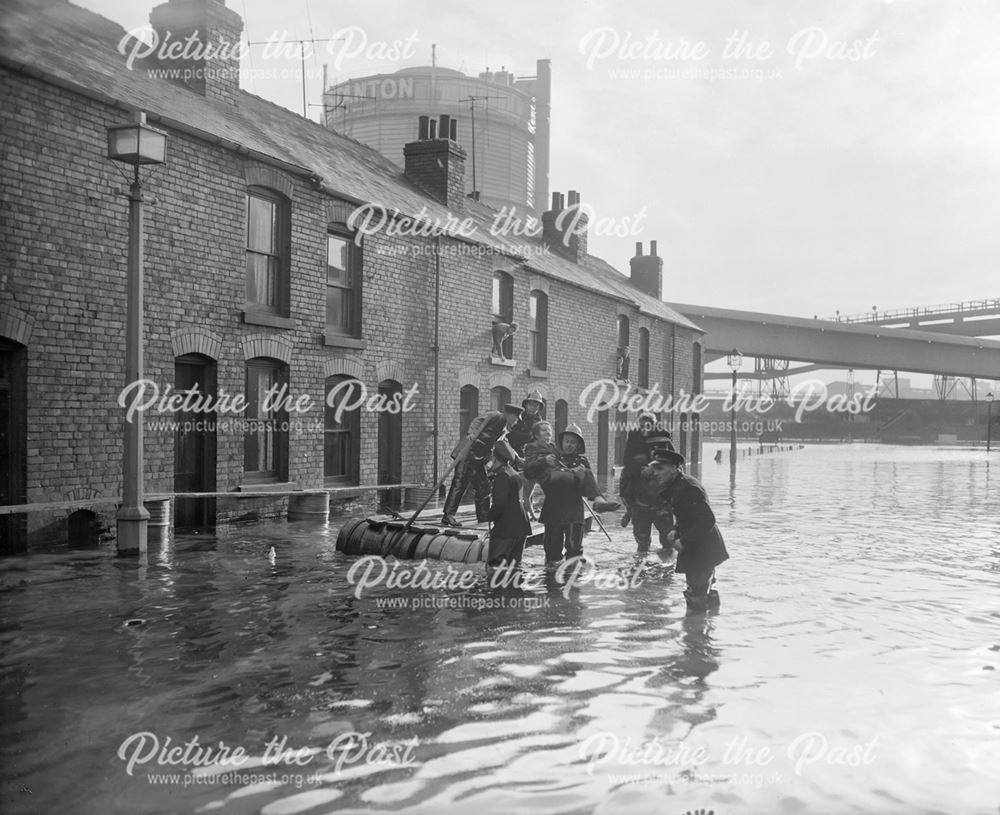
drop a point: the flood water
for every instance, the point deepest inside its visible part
(854, 665)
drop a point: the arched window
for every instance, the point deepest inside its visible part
(341, 431)
(503, 306)
(268, 250)
(538, 315)
(643, 358)
(343, 284)
(623, 331)
(468, 408)
(499, 396)
(265, 440)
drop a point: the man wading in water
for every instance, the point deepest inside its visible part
(698, 541)
(565, 488)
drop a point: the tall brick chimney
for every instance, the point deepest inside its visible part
(437, 166)
(564, 228)
(646, 271)
(209, 63)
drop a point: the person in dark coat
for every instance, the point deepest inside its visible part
(638, 489)
(520, 434)
(636, 456)
(507, 514)
(562, 512)
(471, 455)
(648, 510)
(565, 489)
(699, 543)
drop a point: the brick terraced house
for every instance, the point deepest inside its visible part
(256, 278)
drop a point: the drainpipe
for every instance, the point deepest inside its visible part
(673, 360)
(436, 348)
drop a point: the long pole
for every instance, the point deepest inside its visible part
(133, 517)
(989, 423)
(732, 424)
(594, 515)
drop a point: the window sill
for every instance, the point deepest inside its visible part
(341, 341)
(502, 363)
(345, 494)
(254, 317)
(538, 373)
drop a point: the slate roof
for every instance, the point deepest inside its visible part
(77, 49)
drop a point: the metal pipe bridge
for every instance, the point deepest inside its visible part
(843, 344)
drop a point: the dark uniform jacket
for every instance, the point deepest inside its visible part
(635, 455)
(520, 434)
(506, 510)
(485, 430)
(703, 546)
(565, 490)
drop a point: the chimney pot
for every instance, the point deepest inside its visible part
(652, 248)
(638, 249)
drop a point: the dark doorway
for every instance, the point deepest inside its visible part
(562, 416)
(468, 408)
(620, 436)
(390, 442)
(194, 444)
(81, 529)
(13, 444)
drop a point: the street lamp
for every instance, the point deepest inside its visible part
(134, 144)
(989, 419)
(735, 361)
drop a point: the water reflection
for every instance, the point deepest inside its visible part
(861, 600)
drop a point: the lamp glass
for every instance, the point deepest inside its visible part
(989, 397)
(735, 360)
(137, 144)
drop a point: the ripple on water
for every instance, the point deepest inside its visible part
(859, 602)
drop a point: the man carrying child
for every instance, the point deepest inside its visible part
(566, 478)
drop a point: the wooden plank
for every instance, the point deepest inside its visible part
(12, 509)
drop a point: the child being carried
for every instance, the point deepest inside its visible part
(540, 454)
(541, 457)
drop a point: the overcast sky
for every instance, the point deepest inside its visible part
(856, 163)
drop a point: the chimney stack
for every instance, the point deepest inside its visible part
(212, 68)
(564, 227)
(647, 271)
(437, 165)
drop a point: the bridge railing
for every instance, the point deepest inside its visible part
(876, 316)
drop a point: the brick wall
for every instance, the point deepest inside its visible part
(64, 254)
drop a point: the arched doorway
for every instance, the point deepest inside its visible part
(390, 442)
(13, 444)
(194, 444)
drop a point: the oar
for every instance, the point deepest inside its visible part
(595, 516)
(460, 453)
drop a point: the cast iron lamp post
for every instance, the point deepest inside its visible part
(134, 144)
(735, 361)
